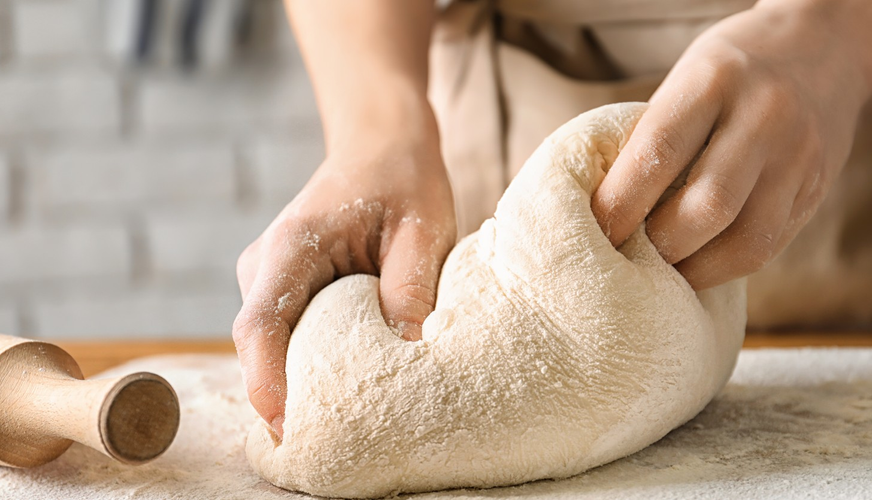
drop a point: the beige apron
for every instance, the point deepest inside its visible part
(506, 73)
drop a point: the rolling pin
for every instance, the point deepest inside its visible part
(45, 405)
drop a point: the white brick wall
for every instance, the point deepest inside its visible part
(110, 176)
(54, 27)
(5, 29)
(9, 320)
(281, 165)
(68, 101)
(156, 315)
(5, 188)
(44, 254)
(136, 188)
(226, 101)
(201, 241)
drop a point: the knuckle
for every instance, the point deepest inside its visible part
(299, 234)
(725, 61)
(265, 391)
(256, 387)
(620, 223)
(617, 217)
(248, 258)
(413, 301)
(246, 324)
(416, 292)
(254, 331)
(262, 388)
(664, 144)
(241, 331)
(663, 239)
(731, 61)
(759, 249)
(715, 68)
(669, 144)
(719, 204)
(291, 228)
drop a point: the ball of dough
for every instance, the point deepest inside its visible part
(549, 352)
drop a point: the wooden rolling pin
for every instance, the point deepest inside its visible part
(45, 405)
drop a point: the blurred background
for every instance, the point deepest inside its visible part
(143, 145)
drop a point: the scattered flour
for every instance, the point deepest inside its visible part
(790, 424)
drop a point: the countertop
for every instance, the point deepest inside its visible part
(96, 356)
(791, 423)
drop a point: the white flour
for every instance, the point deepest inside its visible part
(790, 424)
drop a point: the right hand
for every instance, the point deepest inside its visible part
(382, 209)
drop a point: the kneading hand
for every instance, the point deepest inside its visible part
(380, 204)
(767, 102)
(388, 211)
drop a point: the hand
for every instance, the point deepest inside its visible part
(383, 209)
(768, 100)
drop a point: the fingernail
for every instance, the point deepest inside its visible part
(411, 331)
(277, 424)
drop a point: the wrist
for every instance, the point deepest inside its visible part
(846, 23)
(394, 116)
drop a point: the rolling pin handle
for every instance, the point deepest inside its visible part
(45, 406)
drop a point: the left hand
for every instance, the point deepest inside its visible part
(771, 97)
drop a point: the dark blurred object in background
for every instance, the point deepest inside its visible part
(187, 33)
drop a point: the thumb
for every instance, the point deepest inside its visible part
(262, 330)
(409, 275)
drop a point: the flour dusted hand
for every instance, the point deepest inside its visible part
(759, 114)
(549, 351)
(385, 209)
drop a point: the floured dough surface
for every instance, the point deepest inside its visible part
(549, 351)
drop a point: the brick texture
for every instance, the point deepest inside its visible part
(204, 241)
(9, 320)
(112, 176)
(54, 27)
(225, 102)
(136, 187)
(6, 31)
(282, 165)
(157, 315)
(5, 189)
(37, 254)
(62, 102)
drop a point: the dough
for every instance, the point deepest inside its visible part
(549, 351)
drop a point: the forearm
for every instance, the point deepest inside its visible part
(368, 65)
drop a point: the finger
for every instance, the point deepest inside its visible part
(246, 267)
(750, 242)
(665, 141)
(260, 341)
(283, 286)
(409, 275)
(716, 189)
(811, 193)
